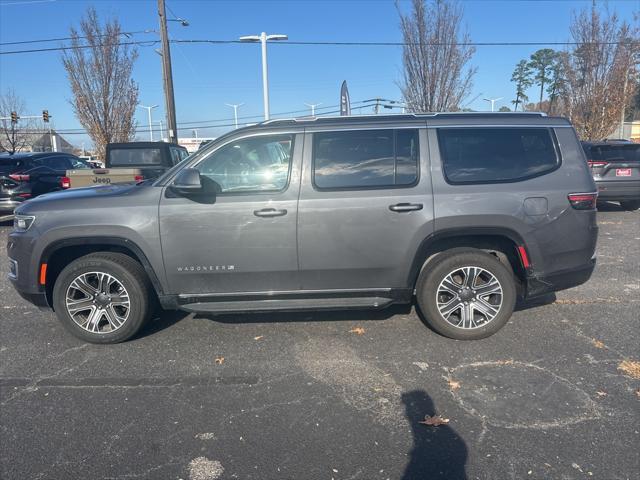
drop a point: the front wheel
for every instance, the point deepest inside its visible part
(102, 297)
(466, 295)
(630, 204)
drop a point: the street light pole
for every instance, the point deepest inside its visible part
(235, 107)
(169, 100)
(263, 38)
(150, 122)
(313, 106)
(493, 101)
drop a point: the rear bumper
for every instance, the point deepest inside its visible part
(8, 205)
(619, 190)
(541, 285)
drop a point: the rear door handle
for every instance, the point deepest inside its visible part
(405, 207)
(269, 212)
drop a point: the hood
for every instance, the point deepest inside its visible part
(107, 196)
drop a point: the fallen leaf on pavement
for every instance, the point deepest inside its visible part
(597, 343)
(258, 337)
(453, 385)
(630, 367)
(638, 393)
(357, 330)
(219, 360)
(601, 393)
(434, 421)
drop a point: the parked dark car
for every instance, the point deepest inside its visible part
(27, 175)
(461, 213)
(615, 165)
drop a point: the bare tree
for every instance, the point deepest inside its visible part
(437, 74)
(99, 70)
(14, 137)
(601, 72)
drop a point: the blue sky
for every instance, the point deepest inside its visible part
(208, 76)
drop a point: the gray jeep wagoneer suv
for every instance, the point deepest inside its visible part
(463, 212)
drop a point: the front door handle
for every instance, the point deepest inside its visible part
(405, 207)
(269, 212)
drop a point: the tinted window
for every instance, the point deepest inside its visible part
(9, 164)
(496, 154)
(256, 164)
(122, 157)
(55, 163)
(365, 158)
(627, 153)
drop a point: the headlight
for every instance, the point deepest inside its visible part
(22, 223)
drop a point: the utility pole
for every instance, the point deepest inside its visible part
(263, 38)
(169, 100)
(150, 121)
(161, 131)
(492, 101)
(313, 106)
(235, 107)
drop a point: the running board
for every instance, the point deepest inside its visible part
(288, 304)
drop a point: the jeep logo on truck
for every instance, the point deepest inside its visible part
(101, 180)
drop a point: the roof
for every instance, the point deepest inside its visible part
(142, 144)
(486, 118)
(32, 154)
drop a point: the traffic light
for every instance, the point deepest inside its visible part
(45, 116)
(14, 117)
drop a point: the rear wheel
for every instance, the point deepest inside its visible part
(103, 297)
(630, 204)
(466, 295)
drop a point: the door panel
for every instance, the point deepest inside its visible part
(362, 239)
(241, 241)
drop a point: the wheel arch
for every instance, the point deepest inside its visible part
(58, 254)
(501, 242)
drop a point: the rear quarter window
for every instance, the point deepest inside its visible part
(496, 155)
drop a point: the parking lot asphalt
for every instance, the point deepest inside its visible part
(334, 395)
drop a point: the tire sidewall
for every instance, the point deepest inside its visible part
(439, 268)
(137, 298)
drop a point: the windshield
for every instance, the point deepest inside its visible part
(124, 157)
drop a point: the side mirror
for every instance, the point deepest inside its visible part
(188, 182)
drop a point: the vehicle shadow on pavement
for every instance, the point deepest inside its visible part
(438, 451)
(609, 207)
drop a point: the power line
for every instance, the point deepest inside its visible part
(60, 39)
(150, 43)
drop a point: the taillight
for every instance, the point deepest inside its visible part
(597, 164)
(138, 178)
(65, 182)
(583, 201)
(19, 178)
(524, 258)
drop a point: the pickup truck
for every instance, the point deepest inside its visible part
(130, 162)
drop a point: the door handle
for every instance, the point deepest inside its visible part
(269, 212)
(405, 207)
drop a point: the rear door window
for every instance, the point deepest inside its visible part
(361, 159)
(494, 155)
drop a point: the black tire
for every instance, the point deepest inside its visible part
(440, 267)
(630, 204)
(129, 273)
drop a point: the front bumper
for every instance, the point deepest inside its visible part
(541, 285)
(621, 190)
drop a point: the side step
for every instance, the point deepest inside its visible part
(288, 304)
